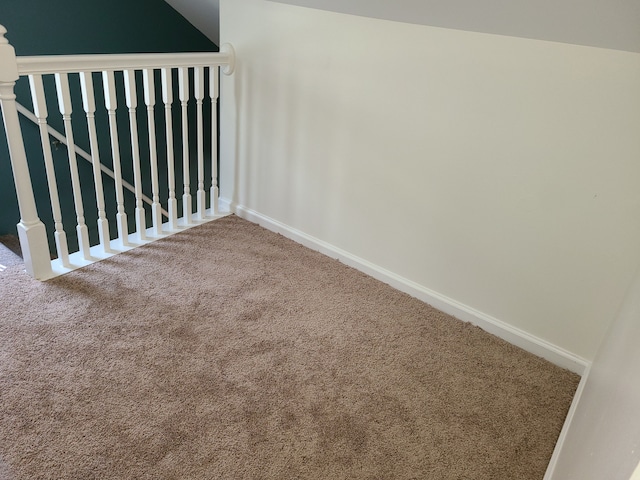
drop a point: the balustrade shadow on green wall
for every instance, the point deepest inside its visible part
(36, 27)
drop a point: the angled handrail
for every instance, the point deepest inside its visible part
(62, 139)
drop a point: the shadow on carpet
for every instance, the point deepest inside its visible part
(228, 351)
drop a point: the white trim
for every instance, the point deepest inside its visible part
(224, 205)
(567, 424)
(513, 335)
(77, 260)
(46, 64)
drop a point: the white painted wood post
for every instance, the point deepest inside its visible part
(132, 103)
(198, 87)
(214, 90)
(89, 105)
(41, 113)
(167, 99)
(64, 104)
(111, 104)
(31, 231)
(150, 101)
(183, 94)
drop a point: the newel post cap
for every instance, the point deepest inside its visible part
(8, 64)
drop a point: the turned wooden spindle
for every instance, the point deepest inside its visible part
(167, 99)
(64, 104)
(41, 113)
(183, 94)
(198, 86)
(132, 103)
(111, 104)
(150, 101)
(89, 105)
(214, 90)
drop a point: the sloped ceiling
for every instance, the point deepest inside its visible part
(611, 24)
(202, 14)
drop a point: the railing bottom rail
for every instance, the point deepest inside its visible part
(97, 252)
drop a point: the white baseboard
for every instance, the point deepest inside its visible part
(513, 335)
(567, 424)
(224, 204)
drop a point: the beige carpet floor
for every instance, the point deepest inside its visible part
(230, 352)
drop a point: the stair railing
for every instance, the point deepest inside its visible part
(31, 230)
(25, 112)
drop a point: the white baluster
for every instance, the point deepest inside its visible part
(64, 104)
(89, 105)
(40, 110)
(31, 231)
(150, 101)
(111, 104)
(132, 103)
(183, 94)
(213, 93)
(198, 84)
(167, 99)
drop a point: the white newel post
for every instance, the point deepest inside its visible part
(31, 231)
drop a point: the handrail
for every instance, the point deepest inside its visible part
(191, 83)
(60, 137)
(42, 65)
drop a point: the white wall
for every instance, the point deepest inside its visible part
(498, 173)
(603, 440)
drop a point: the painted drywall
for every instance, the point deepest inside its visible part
(498, 172)
(120, 26)
(203, 14)
(598, 23)
(603, 439)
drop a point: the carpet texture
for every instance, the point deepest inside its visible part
(10, 253)
(230, 352)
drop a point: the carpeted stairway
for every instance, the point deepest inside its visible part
(230, 352)
(10, 253)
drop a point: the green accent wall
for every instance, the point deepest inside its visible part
(36, 27)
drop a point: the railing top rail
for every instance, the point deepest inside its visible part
(42, 65)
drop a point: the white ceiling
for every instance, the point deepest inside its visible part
(611, 24)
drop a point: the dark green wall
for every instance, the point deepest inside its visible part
(41, 27)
